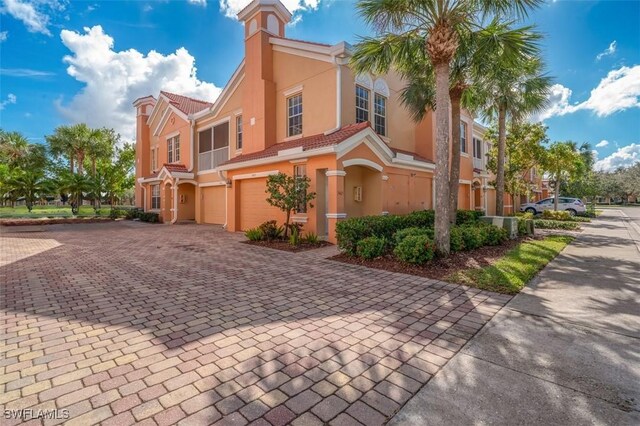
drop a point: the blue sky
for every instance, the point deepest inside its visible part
(69, 61)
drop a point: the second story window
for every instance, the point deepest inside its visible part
(463, 137)
(380, 114)
(477, 148)
(173, 149)
(362, 104)
(239, 132)
(154, 159)
(294, 115)
(213, 146)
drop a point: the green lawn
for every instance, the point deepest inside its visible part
(49, 211)
(514, 270)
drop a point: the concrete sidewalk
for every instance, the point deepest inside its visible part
(564, 351)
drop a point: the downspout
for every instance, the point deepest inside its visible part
(144, 198)
(174, 215)
(337, 61)
(222, 175)
(193, 136)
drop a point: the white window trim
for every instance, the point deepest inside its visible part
(293, 91)
(386, 122)
(287, 97)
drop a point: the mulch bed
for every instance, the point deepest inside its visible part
(285, 246)
(438, 268)
(52, 221)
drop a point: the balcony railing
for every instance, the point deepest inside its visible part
(212, 159)
(478, 163)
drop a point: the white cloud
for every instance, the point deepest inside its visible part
(230, 8)
(114, 79)
(623, 157)
(24, 72)
(608, 51)
(618, 91)
(3, 36)
(198, 2)
(11, 99)
(34, 14)
(602, 144)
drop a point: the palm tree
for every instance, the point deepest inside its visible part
(14, 147)
(73, 142)
(511, 93)
(31, 184)
(435, 25)
(76, 185)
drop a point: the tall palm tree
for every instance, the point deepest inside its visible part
(76, 185)
(436, 25)
(511, 93)
(13, 148)
(73, 142)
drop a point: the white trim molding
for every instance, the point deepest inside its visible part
(465, 181)
(209, 184)
(293, 90)
(336, 215)
(256, 175)
(330, 173)
(362, 162)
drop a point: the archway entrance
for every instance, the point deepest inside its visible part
(477, 196)
(186, 201)
(362, 191)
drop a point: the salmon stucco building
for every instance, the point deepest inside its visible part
(295, 107)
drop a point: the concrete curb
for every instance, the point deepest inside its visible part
(634, 230)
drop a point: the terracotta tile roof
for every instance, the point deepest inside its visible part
(307, 143)
(171, 168)
(413, 154)
(186, 104)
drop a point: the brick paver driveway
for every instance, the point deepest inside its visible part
(126, 323)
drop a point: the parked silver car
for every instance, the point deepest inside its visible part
(572, 205)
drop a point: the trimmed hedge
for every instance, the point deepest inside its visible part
(556, 224)
(371, 247)
(416, 249)
(404, 233)
(556, 215)
(464, 217)
(350, 231)
(143, 216)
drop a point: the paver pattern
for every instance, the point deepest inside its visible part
(125, 323)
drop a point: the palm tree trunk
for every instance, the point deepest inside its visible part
(71, 163)
(502, 145)
(454, 179)
(556, 192)
(442, 207)
(80, 163)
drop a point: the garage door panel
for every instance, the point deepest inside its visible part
(254, 208)
(213, 205)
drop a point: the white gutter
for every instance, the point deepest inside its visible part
(144, 200)
(337, 61)
(193, 136)
(174, 213)
(223, 176)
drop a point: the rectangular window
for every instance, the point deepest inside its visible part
(213, 146)
(173, 149)
(154, 159)
(300, 172)
(477, 148)
(463, 137)
(362, 104)
(294, 115)
(380, 114)
(239, 132)
(155, 197)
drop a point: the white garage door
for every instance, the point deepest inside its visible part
(254, 208)
(213, 205)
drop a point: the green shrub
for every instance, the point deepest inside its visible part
(556, 224)
(271, 231)
(404, 233)
(526, 215)
(464, 217)
(416, 249)
(456, 242)
(254, 234)
(149, 217)
(352, 230)
(494, 235)
(371, 247)
(473, 236)
(311, 238)
(294, 238)
(133, 214)
(116, 213)
(556, 215)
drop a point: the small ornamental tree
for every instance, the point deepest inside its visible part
(289, 193)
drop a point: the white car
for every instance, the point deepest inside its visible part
(572, 205)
